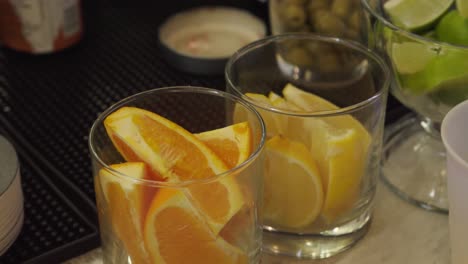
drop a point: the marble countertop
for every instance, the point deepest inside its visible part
(400, 233)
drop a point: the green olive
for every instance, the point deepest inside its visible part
(327, 23)
(341, 8)
(318, 47)
(355, 4)
(317, 4)
(288, 44)
(294, 16)
(302, 29)
(329, 62)
(352, 34)
(355, 20)
(316, 15)
(296, 2)
(298, 56)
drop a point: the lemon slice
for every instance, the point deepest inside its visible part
(259, 97)
(414, 15)
(272, 96)
(306, 101)
(340, 146)
(279, 102)
(341, 160)
(268, 117)
(276, 123)
(293, 187)
(312, 103)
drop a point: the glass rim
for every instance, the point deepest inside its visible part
(174, 89)
(409, 34)
(353, 45)
(448, 120)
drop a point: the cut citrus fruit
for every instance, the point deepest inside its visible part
(411, 57)
(305, 100)
(340, 146)
(313, 103)
(276, 123)
(451, 92)
(450, 65)
(259, 97)
(267, 116)
(162, 144)
(293, 188)
(462, 7)
(453, 28)
(286, 124)
(175, 233)
(232, 144)
(238, 231)
(178, 156)
(341, 159)
(272, 96)
(415, 15)
(128, 203)
(280, 103)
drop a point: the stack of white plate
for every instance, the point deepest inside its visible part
(11, 196)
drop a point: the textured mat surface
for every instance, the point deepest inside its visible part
(47, 106)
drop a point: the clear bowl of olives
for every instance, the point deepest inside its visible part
(343, 19)
(335, 18)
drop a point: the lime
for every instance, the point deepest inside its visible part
(430, 35)
(462, 7)
(439, 73)
(452, 92)
(411, 57)
(415, 15)
(453, 29)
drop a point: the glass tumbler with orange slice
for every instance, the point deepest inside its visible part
(324, 117)
(178, 179)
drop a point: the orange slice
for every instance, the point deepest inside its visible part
(177, 155)
(175, 233)
(232, 144)
(128, 203)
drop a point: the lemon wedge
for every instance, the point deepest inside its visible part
(340, 145)
(293, 187)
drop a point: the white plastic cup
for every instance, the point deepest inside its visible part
(455, 138)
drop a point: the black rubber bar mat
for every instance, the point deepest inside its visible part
(49, 102)
(58, 222)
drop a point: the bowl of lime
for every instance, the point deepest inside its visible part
(426, 44)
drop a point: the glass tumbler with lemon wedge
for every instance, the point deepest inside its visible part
(177, 180)
(426, 44)
(324, 120)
